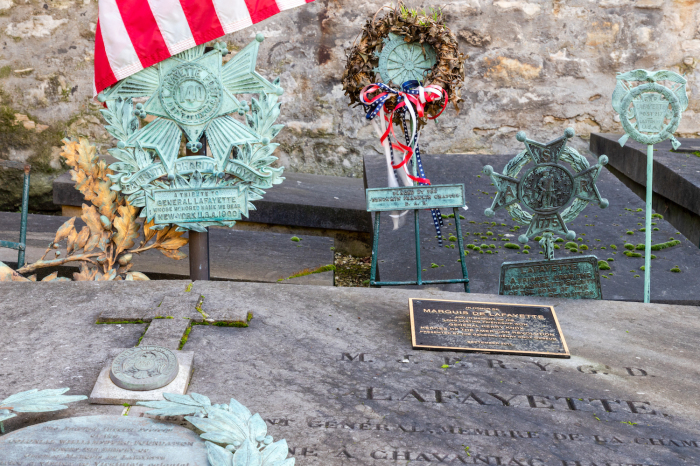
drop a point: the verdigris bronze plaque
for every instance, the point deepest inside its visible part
(104, 441)
(196, 204)
(486, 327)
(415, 197)
(575, 277)
(144, 368)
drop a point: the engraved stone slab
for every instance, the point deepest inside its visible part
(487, 327)
(144, 368)
(106, 392)
(104, 441)
(415, 197)
(575, 277)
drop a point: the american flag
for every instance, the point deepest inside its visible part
(134, 34)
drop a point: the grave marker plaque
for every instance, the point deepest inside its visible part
(574, 277)
(486, 327)
(104, 441)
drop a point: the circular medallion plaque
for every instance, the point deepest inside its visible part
(547, 187)
(103, 440)
(144, 368)
(191, 94)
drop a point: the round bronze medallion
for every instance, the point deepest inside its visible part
(191, 94)
(144, 368)
(547, 187)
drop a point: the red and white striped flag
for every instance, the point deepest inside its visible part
(135, 34)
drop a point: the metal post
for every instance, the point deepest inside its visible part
(460, 244)
(419, 279)
(647, 244)
(199, 256)
(375, 250)
(199, 242)
(21, 256)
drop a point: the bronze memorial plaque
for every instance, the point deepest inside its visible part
(486, 327)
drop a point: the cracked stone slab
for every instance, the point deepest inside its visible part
(181, 305)
(221, 303)
(107, 393)
(165, 332)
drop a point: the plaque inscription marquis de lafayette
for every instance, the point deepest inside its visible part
(487, 327)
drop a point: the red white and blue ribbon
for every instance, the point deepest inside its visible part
(410, 101)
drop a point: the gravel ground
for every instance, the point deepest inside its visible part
(351, 270)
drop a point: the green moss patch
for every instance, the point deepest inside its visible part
(511, 246)
(667, 244)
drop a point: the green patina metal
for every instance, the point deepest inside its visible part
(20, 246)
(650, 112)
(193, 94)
(401, 61)
(555, 194)
(35, 401)
(416, 198)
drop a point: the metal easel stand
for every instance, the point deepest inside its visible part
(419, 280)
(22, 245)
(647, 225)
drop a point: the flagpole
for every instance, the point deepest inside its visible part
(647, 227)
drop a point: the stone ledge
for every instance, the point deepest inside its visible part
(676, 182)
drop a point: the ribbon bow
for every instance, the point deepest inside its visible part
(411, 99)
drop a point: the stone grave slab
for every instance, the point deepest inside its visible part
(599, 232)
(103, 440)
(676, 176)
(260, 256)
(334, 373)
(106, 392)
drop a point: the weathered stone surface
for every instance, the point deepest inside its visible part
(165, 332)
(333, 372)
(180, 306)
(106, 440)
(105, 392)
(676, 177)
(545, 62)
(595, 229)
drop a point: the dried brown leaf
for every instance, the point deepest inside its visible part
(173, 243)
(85, 274)
(92, 243)
(148, 231)
(105, 199)
(64, 230)
(173, 254)
(127, 228)
(136, 276)
(72, 239)
(50, 277)
(92, 219)
(82, 238)
(31, 278)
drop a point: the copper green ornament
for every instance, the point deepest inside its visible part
(194, 94)
(550, 193)
(650, 105)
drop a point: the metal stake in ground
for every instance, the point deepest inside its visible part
(650, 113)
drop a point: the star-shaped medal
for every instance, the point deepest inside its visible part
(553, 193)
(192, 92)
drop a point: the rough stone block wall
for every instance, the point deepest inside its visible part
(537, 65)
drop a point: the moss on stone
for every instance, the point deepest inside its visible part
(511, 246)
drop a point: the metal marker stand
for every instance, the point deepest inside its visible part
(199, 241)
(647, 224)
(648, 105)
(22, 245)
(419, 279)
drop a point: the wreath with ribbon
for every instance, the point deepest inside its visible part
(404, 70)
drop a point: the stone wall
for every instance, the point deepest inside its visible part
(537, 65)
